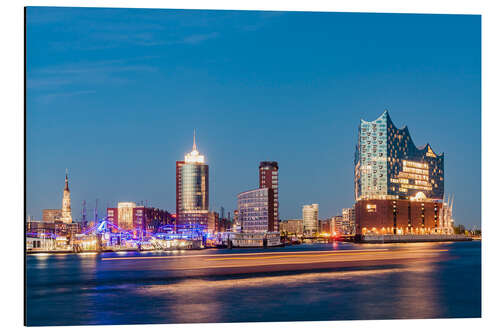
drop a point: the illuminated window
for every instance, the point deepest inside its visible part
(370, 208)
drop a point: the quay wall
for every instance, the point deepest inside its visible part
(411, 238)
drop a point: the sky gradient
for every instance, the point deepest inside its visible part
(114, 95)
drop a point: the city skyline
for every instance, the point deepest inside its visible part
(289, 110)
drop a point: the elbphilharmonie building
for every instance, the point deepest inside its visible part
(399, 187)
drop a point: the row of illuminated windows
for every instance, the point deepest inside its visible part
(412, 176)
(416, 187)
(252, 213)
(414, 170)
(415, 164)
(399, 180)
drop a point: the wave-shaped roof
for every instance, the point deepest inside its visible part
(405, 131)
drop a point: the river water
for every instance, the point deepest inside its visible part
(84, 289)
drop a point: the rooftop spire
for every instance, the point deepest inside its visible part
(194, 139)
(66, 187)
(194, 156)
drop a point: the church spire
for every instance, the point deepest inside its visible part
(66, 187)
(66, 202)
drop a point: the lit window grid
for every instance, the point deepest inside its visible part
(253, 210)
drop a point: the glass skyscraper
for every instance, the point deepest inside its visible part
(192, 191)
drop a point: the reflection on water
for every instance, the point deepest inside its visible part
(200, 286)
(416, 293)
(76, 289)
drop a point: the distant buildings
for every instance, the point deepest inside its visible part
(343, 224)
(192, 191)
(291, 227)
(66, 203)
(51, 215)
(398, 187)
(256, 210)
(348, 221)
(41, 229)
(268, 178)
(310, 219)
(338, 225)
(139, 220)
(224, 224)
(325, 226)
(212, 222)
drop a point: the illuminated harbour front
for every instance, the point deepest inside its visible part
(398, 194)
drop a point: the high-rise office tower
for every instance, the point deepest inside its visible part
(268, 178)
(310, 219)
(66, 203)
(192, 191)
(399, 187)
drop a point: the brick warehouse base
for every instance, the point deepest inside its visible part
(400, 217)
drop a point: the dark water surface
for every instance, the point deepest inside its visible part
(84, 289)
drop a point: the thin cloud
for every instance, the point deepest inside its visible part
(48, 98)
(196, 39)
(110, 72)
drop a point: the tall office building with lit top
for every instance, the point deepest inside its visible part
(268, 178)
(398, 186)
(192, 191)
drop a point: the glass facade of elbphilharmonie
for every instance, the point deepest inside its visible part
(388, 165)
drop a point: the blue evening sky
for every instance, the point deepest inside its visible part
(114, 95)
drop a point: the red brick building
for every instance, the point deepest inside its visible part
(268, 178)
(397, 216)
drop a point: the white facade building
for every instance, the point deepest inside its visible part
(310, 218)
